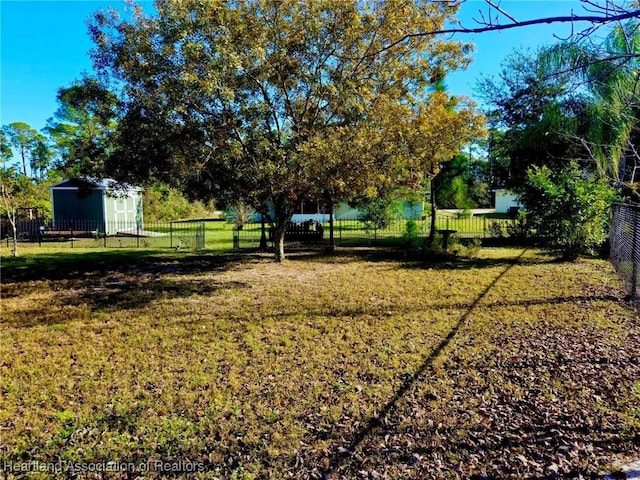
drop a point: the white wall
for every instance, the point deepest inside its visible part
(505, 199)
(303, 217)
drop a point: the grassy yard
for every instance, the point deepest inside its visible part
(358, 365)
(218, 237)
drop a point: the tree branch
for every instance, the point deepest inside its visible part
(492, 4)
(593, 19)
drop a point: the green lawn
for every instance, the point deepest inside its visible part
(358, 233)
(507, 365)
(218, 237)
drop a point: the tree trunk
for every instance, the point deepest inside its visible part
(432, 229)
(282, 209)
(24, 160)
(14, 249)
(11, 215)
(280, 231)
(263, 234)
(332, 243)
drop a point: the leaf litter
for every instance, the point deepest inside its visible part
(513, 366)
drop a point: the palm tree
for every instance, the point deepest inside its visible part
(607, 75)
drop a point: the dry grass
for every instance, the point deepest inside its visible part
(510, 365)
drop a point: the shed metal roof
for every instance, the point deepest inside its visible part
(94, 184)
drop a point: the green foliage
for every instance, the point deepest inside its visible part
(378, 212)
(5, 148)
(567, 210)
(519, 228)
(465, 248)
(278, 99)
(460, 194)
(239, 214)
(608, 72)
(498, 171)
(30, 146)
(479, 194)
(25, 192)
(522, 92)
(18, 192)
(161, 202)
(453, 184)
(540, 115)
(82, 129)
(411, 236)
(40, 157)
(495, 229)
(571, 100)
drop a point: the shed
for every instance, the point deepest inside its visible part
(96, 204)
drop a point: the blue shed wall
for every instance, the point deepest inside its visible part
(83, 208)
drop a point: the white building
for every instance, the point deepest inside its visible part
(506, 201)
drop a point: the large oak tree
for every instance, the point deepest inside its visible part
(268, 101)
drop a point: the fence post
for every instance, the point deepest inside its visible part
(170, 234)
(634, 259)
(236, 239)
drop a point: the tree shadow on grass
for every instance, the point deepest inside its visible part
(113, 296)
(110, 281)
(543, 432)
(416, 260)
(72, 266)
(342, 453)
(359, 450)
(355, 312)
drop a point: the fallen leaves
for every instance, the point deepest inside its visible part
(544, 395)
(349, 368)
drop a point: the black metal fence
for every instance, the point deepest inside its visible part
(85, 234)
(625, 246)
(359, 233)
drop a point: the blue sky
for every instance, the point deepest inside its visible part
(44, 46)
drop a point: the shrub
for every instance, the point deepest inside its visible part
(495, 229)
(472, 247)
(163, 203)
(568, 210)
(411, 236)
(239, 214)
(519, 229)
(377, 213)
(465, 213)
